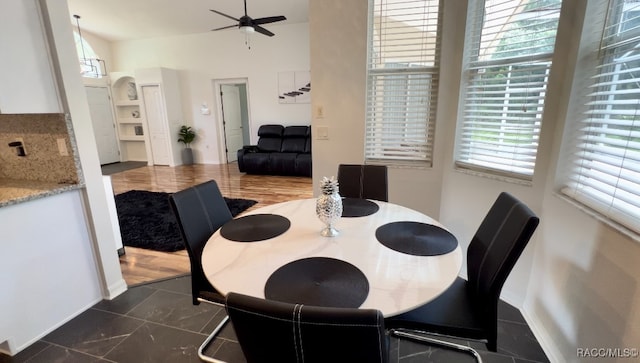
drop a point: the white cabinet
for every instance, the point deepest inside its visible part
(130, 117)
(161, 104)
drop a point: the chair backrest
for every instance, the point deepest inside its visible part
(272, 331)
(363, 181)
(494, 250)
(200, 211)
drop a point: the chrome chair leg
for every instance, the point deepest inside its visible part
(209, 339)
(420, 337)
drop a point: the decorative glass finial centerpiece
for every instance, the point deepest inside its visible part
(329, 206)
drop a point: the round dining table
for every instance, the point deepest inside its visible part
(397, 281)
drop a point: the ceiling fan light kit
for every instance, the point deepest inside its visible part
(247, 29)
(248, 25)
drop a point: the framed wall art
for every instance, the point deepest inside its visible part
(294, 87)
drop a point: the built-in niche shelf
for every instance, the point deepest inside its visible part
(132, 138)
(130, 118)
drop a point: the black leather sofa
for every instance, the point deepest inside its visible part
(280, 151)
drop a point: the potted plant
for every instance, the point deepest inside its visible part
(186, 136)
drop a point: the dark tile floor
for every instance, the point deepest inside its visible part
(156, 322)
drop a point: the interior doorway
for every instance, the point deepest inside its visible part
(104, 126)
(233, 117)
(156, 123)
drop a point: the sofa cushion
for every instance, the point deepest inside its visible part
(270, 131)
(293, 145)
(283, 163)
(270, 144)
(294, 139)
(257, 163)
(296, 131)
(270, 137)
(307, 145)
(303, 164)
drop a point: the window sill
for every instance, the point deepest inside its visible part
(491, 176)
(418, 165)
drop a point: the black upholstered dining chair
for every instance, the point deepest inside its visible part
(273, 331)
(363, 181)
(469, 308)
(200, 210)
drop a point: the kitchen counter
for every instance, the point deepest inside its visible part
(14, 191)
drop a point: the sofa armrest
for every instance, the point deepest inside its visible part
(247, 149)
(250, 149)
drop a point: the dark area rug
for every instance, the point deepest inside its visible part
(147, 221)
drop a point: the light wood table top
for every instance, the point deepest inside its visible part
(398, 282)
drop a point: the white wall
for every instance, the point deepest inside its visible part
(32, 88)
(577, 283)
(98, 219)
(585, 278)
(48, 274)
(59, 252)
(202, 58)
(338, 33)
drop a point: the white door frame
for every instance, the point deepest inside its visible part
(217, 83)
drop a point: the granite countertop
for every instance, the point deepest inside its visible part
(14, 191)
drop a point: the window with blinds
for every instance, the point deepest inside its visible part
(508, 49)
(605, 172)
(402, 81)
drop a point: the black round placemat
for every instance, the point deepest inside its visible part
(319, 281)
(416, 238)
(255, 227)
(356, 207)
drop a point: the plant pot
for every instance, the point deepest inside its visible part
(187, 156)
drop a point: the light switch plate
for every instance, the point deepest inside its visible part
(322, 133)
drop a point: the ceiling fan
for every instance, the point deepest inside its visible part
(249, 25)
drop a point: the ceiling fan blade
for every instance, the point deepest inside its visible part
(262, 30)
(271, 19)
(225, 15)
(225, 27)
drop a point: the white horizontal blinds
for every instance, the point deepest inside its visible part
(508, 50)
(606, 169)
(402, 81)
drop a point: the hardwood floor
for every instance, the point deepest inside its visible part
(140, 265)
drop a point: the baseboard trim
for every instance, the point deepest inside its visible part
(544, 339)
(114, 290)
(15, 350)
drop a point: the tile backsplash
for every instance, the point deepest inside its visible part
(43, 137)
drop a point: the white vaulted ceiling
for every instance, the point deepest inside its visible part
(116, 20)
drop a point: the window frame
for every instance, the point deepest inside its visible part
(512, 159)
(599, 52)
(392, 138)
